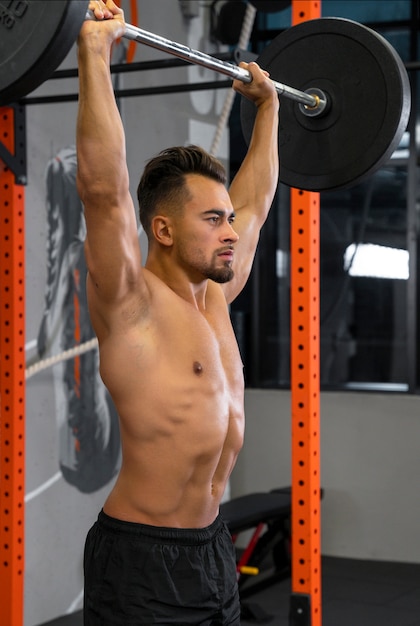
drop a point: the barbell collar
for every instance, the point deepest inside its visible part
(322, 103)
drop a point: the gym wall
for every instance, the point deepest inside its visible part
(369, 468)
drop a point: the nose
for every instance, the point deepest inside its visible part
(230, 234)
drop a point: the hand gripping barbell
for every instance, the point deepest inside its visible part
(341, 123)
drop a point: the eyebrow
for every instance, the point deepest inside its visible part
(219, 212)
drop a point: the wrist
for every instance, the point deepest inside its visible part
(271, 102)
(94, 42)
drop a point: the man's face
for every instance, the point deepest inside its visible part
(205, 236)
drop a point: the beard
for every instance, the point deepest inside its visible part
(210, 270)
(220, 275)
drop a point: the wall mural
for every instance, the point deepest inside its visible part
(86, 416)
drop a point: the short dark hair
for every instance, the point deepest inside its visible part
(163, 180)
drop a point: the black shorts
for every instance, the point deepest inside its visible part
(136, 575)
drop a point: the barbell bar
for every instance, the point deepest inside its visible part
(341, 122)
(314, 103)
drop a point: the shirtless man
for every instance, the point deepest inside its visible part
(159, 553)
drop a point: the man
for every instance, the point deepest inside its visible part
(159, 553)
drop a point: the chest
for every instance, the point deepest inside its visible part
(181, 372)
(202, 346)
(179, 356)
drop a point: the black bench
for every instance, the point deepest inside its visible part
(267, 553)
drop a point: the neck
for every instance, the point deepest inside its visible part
(178, 280)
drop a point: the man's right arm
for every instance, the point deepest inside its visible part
(112, 249)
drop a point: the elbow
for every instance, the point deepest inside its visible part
(97, 190)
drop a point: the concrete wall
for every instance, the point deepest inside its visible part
(370, 468)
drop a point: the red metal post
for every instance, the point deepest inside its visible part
(12, 384)
(306, 540)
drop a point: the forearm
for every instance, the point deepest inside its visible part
(255, 184)
(259, 172)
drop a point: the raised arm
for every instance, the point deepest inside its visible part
(112, 249)
(253, 188)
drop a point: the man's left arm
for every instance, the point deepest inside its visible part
(253, 188)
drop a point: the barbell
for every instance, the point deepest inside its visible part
(341, 122)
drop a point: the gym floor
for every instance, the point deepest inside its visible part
(355, 593)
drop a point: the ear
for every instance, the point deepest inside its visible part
(162, 230)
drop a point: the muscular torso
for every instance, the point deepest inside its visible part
(177, 382)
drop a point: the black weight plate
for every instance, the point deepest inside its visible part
(369, 91)
(35, 37)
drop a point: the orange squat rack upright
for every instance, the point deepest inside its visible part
(305, 601)
(12, 368)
